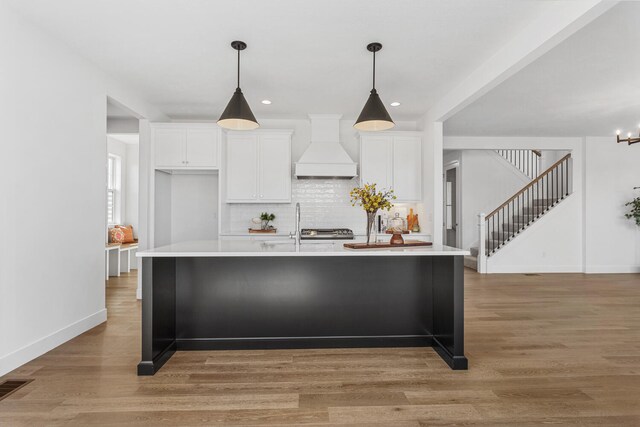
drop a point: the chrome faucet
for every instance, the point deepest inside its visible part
(297, 234)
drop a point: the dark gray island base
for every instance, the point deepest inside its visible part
(195, 302)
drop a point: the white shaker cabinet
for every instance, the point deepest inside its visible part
(258, 167)
(407, 168)
(185, 145)
(274, 175)
(170, 147)
(202, 147)
(393, 160)
(375, 161)
(242, 167)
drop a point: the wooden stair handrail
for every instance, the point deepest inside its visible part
(523, 189)
(537, 153)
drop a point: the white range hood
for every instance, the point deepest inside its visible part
(325, 157)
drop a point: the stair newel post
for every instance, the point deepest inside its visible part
(482, 245)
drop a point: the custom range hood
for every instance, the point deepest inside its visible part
(325, 157)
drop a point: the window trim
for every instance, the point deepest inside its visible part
(114, 181)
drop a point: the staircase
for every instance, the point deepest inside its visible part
(526, 161)
(522, 209)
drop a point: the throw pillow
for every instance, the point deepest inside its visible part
(128, 233)
(116, 235)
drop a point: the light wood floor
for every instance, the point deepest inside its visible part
(559, 349)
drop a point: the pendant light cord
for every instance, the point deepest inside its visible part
(238, 87)
(374, 70)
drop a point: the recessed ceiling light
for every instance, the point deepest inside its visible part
(266, 102)
(395, 104)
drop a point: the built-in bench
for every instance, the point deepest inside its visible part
(128, 260)
(120, 258)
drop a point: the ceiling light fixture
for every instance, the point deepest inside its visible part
(395, 104)
(628, 139)
(238, 115)
(374, 117)
(266, 102)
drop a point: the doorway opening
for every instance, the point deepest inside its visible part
(122, 166)
(451, 208)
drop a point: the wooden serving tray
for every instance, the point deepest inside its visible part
(379, 245)
(269, 231)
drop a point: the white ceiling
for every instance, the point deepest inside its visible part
(305, 56)
(587, 85)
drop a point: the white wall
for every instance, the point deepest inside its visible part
(53, 103)
(550, 157)
(186, 207)
(194, 207)
(554, 243)
(132, 194)
(432, 182)
(122, 125)
(162, 208)
(611, 172)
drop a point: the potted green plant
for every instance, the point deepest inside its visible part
(635, 209)
(266, 218)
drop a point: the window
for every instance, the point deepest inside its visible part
(113, 193)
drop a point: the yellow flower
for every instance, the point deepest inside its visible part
(370, 199)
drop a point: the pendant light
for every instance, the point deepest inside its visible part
(374, 117)
(238, 115)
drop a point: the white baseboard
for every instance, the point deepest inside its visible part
(611, 269)
(37, 348)
(522, 269)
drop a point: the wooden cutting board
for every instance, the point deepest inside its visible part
(269, 231)
(380, 245)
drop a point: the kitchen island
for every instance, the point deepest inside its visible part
(209, 295)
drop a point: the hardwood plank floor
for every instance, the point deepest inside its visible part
(560, 349)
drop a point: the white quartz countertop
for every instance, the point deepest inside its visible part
(235, 248)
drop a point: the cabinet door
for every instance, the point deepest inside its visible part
(407, 167)
(376, 161)
(202, 148)
(169, 145)
(242, 168)
(275, 168)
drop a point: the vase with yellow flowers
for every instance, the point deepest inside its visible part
(372, 200)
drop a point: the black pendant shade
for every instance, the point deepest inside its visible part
(374, 117)
(238, 114)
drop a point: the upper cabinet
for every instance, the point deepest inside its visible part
(375, 161)
(258, 166)
(393, 160)
(186, 145)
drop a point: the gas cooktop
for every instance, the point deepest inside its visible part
(326, 233)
